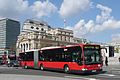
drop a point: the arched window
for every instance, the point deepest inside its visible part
(21, 47)
(26, 46)
(29, 46)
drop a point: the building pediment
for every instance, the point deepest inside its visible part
(23, 39)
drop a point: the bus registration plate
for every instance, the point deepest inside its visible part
(93, 70)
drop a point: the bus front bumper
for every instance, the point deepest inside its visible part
(87, 71)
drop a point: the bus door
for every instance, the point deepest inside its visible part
(49, 60)
(36, 59)
(53, 58)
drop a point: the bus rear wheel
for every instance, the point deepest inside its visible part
(41, 67)
(66, 69)
(25, 67)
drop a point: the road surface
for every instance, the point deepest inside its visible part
(111, 72)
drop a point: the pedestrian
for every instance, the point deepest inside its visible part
(119, 59)
(106, 61)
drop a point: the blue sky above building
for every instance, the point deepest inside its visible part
(95, 20)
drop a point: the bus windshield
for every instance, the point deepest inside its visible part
(92, 55)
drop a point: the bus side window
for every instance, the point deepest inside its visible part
(74, 57)
(77, 57)
(41, 58)
(67, 57)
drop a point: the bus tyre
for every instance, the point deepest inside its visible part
(66, 69)
(25, 67)
(41, 67)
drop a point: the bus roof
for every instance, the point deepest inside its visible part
(52, 47)
(32, 50)
(90, 44)
(55, 47)
(72, 45)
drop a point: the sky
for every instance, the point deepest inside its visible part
(95, 20)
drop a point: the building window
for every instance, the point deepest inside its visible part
(29, 46)
(21, 47)
(32, 27)
(26, 46)
(49, 26)
(69, 39)
(42, 29)
(37, 28)
(65, 38)
(42, 37)
(31, 22)
(41, 24)
(61, 38)
(36, 45)
(36, 36)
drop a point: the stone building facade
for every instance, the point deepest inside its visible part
(38, 34)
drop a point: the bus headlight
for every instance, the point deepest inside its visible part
(84, 69)
(99, 65)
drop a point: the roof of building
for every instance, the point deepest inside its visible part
(62, 29)
(39, 22)
(9, 19)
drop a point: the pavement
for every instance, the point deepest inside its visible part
(113, 60)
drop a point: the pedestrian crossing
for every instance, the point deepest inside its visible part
(93, 77)
(80, 77)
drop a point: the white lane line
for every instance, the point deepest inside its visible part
(111, 75)
(4, 67)
(75, 77)
(115, 69)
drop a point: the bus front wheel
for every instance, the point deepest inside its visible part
(66, 69)
(41, 67)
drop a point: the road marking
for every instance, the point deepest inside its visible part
(4, 67)
(111, 75)
(115, 69)
(75, 77)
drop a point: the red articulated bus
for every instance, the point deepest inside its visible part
(78, 58)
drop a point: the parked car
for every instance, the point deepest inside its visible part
(14, 63)
(0, 62)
